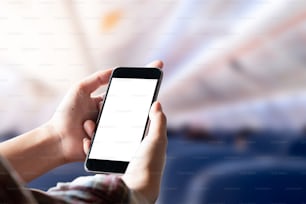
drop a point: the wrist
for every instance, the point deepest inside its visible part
(68, 140)
(54, 139)
(137, 198)
(142, 186)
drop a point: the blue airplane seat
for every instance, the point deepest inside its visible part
(250, 181)
(270, 143)
(298, 148)
(187, 160)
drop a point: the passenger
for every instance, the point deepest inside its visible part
(66, 138)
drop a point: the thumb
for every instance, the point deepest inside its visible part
(158, 126)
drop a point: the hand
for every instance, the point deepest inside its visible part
(77, 106)
(89, 125)
(144, 172)
(79, 110)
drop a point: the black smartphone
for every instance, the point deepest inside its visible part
(123, 119)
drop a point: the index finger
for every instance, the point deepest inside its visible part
(94, 81)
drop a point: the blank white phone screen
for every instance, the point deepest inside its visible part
(123, 119)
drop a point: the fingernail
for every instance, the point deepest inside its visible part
(85, 139)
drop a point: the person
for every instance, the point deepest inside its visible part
(66, 138)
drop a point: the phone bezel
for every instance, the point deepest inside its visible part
(119, 167)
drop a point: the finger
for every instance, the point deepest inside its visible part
(94, 81)
(158, 124)
(98, 100)
(156, 63)
(86, 145)
(89, 127)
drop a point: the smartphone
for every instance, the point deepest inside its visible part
(123, 119)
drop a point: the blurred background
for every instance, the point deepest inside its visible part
(234, 87)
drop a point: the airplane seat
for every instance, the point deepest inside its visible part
(298, 148)
(187, 161)
(249, 181)
(270, 143)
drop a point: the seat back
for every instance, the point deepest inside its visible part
(267, 181)
(186, 159)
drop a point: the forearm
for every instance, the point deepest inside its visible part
(33, 153)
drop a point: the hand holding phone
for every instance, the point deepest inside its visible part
(123, 118)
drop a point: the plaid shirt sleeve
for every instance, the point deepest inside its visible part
(102, 189)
